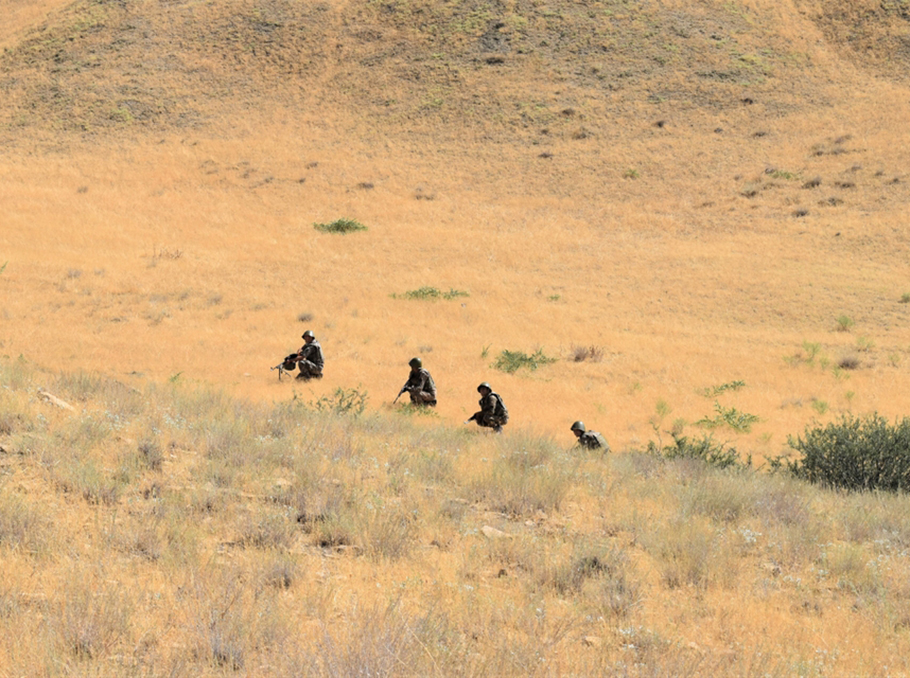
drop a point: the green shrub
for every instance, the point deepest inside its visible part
(855, 453)
(740, 422)
(512, 361)
(706, 449)
(427, 292)
(714, 391)
(341, 226)
(343, 401)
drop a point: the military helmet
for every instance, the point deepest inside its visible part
(416, 363)
(578, 426)
(485, 385)
(308, 335)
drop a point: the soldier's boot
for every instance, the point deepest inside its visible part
(497, 429)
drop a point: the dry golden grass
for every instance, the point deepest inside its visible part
(700, 193)
(177, 531)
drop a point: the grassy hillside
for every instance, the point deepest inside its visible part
(694, 213)
(508, 69)
(177, 531)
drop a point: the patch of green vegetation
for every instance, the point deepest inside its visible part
(905, 298)
(844, 323)
(783, 174)
(343, 401)
(855, 454)
(630, 173)
(3, 268)
(121, 115)
(741, 422)
(714, 391)
(706, 450)
(512, 361)
(427, 292)
(342, 226)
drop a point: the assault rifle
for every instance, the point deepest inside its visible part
(403, 389)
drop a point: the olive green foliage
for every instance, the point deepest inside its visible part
(705, 449)
(343, 401)
(340, 226)
(855, 453)
(714, 391)
(741, 422)
(427, 292)
(512, 361)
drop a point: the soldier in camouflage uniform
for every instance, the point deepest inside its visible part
(591, 440)
(420, 385)
(309, 358)
(493, 413)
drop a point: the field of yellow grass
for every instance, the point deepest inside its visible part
(665, 198)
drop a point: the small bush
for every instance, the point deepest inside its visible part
(342, 226)
(855, 453)
(343, 401)
(706, 450)
(741, 422)
(844, 323)
(427, 292)
(905, 297)
(714, 391)
(512, 361)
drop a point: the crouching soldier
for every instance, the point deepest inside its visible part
(591, 440)
(493, 413)
(420, 385)
(309, 358)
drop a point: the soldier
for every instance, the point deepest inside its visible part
(420, 385)
(309, 358)
(591, 440)
(493, 413)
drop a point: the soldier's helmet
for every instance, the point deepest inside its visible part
(308, 335)
(484, 385)
(578, 426)
(416, 363)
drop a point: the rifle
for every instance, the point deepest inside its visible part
(403, 389)
(473, 417)
(281, 366)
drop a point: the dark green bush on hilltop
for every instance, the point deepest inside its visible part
(856, 453)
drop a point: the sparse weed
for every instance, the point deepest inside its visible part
(512, 361)
(24, 526)
(864, 344)
(342, 226)
(820, 406)
(706, 450)
(343, 401)
(430, 293)
(843, 323)
(714, 391)
(905, 297)
(741, 422)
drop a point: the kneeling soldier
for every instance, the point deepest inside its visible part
(592, 440)
(420, 385)
(309, 358)
(493, 413)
